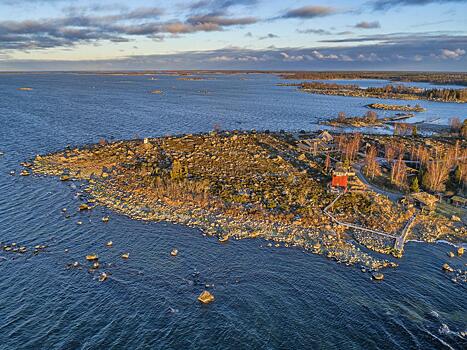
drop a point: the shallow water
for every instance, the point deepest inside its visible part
(266, 298)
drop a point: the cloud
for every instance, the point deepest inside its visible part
(219, 5)
(220, 20)
(416, 39)
(314, 31)
(367, 25)
(269, 36)
(307, 12)
(451, 54)
(380, 5)
(79, 27)
(396, 56)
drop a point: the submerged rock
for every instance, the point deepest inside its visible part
(103, 276)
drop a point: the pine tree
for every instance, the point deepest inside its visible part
(414, 187)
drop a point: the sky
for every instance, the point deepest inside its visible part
(233, 34)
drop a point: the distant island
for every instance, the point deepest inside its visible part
(400, 92)
(440, 78)
(317, 191)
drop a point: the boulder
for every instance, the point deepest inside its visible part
(377, 276)
(460, 251)
(447, 268)
(206, 297)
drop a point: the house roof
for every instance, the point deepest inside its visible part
(425, 198)
(459, 199)
(326, 136)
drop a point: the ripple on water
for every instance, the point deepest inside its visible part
(266, 298)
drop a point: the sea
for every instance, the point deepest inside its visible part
(265, 297)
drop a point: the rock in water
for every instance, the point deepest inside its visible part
(206, 297)
(451, 254)
(83, 206)
(125, 255)
(92, 257)
(377, 276)
(448, 268)
(64, 177)
(174, 252)
(460, 251)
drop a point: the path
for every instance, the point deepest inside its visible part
(357, 227)
(400, 241)
(393, 196)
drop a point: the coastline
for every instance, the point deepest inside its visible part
(131, 181)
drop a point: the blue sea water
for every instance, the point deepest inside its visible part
(266, 298)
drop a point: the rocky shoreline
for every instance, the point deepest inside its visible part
(386, 107)
(230, 186)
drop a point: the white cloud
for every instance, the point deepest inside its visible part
(451, 54)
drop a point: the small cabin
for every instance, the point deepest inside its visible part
(339, 181)
(340, 178)
(423, 200)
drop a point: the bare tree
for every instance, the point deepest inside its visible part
(341, 117)
(371, 116)
(399, 173)
(455, 124)
(372, 167)
(327, 163)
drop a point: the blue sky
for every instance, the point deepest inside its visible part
(233, 34)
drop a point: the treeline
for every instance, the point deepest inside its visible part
(388, 91)
(327, 86)
(422, 77)
(430, 94)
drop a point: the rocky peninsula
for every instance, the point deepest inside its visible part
(236, 185)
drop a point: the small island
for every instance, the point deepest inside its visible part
(304, 190)
(370, 119)
(388, 107)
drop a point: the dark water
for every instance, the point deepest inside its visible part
(266, 298)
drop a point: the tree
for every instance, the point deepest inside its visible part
(341, 117)
(414, 187)
(372, 167)
(327, 163)
(463, 131)
(178, 172)
(371, 116)
(399, 173)
(455, 124)
(414, 131)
